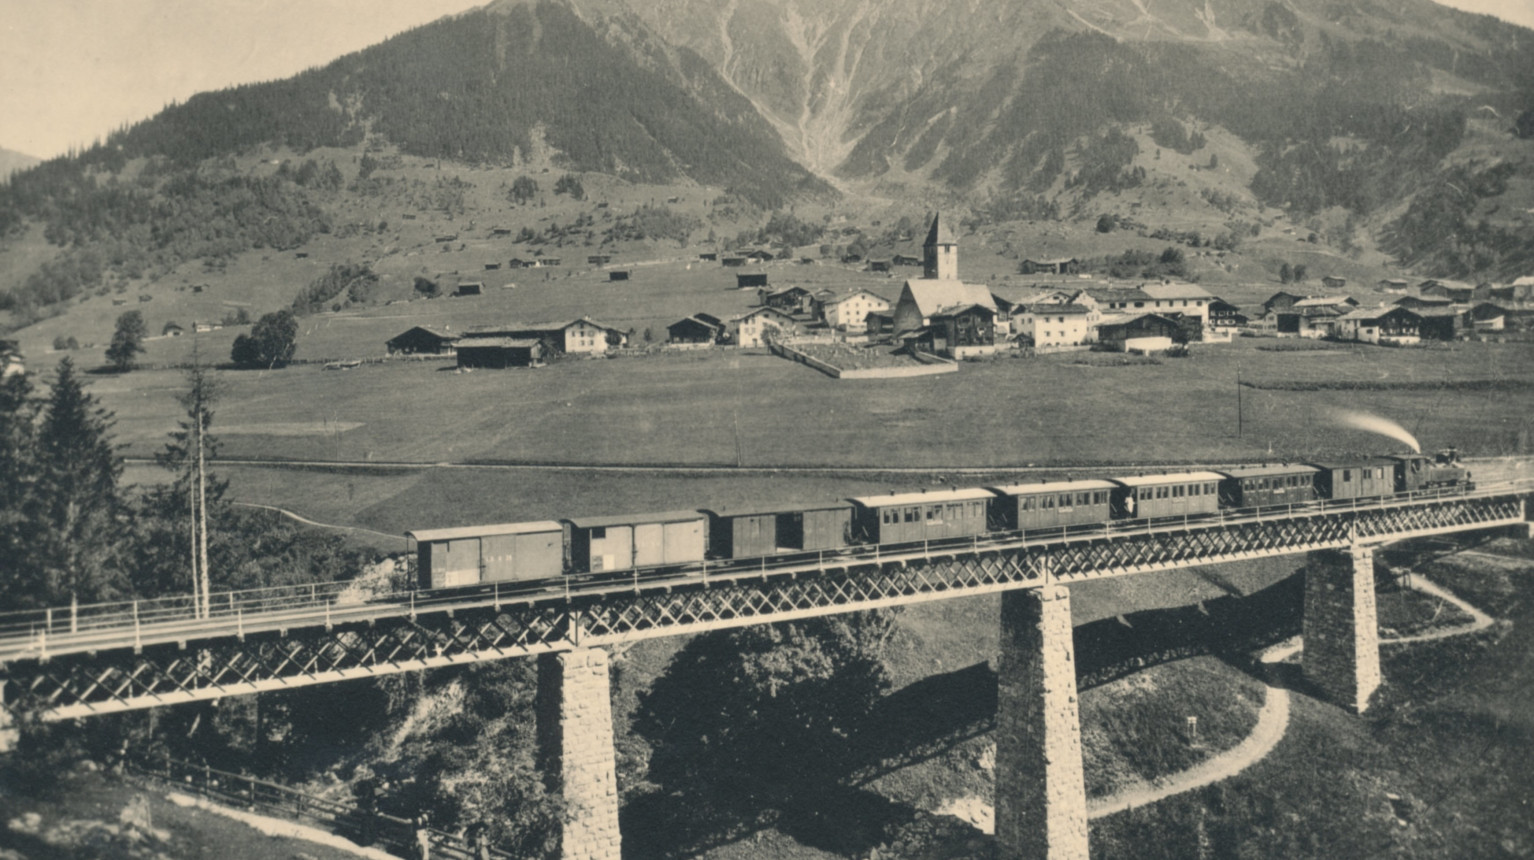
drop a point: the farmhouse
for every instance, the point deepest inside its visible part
(693, 331)
(792, 300)
(755, 328)
(1144, 333)
(1121, 300)
(583, 336)
(422, 340)
(960, 331)
(500, 352)
(1279, 301)
(1047, 324)
(1186, 299)
(850, 311)
(1051, 266)
(1442, 323)
(1387, 324)
(1455, 292)
(1224, 315)
(1419, 302)
(1489, 317)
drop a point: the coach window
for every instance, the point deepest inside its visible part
(599, 533)
(1347, 474)
(912, 514)
(1027, 503)
(932, 513)
(1047, 502)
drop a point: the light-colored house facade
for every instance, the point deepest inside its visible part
(1190, 300)
(753, 329)
(851, 311)
(1048, 325)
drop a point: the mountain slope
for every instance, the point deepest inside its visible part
(12, 161)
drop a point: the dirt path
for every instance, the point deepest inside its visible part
(1273, 719)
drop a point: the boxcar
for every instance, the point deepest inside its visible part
(1359, 479)
(1170, 495)
(1259, 486)
(621, 542)
(905, 517)
(1053, 504)
(750, 533)
(496, 553)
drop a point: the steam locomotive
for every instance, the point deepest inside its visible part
(581, 546)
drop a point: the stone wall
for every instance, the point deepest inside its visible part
(1041, 797)
(1341, 628)
(575, 745)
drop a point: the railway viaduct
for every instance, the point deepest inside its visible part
(65, 664)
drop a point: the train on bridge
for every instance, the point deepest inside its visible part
(671, 540)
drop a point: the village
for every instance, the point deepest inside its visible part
(937, 319)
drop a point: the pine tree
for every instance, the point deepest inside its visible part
(79, 507)
(18, 486)
(176, 521)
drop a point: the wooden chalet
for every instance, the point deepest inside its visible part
(1387, 324)
(422, 340)
(693, 330)
(1145, 333)
(1051, 266)
(500, 352)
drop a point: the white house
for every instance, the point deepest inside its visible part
(750, 329)
(1053, 325)
(850, 311)
(1190, 300)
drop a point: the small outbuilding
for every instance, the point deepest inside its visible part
(752, 280)
(1145, 333)
(693, 330)
(422, 340)
(618, 275)
(498, 353)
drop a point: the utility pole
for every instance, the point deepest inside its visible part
(1239, 427)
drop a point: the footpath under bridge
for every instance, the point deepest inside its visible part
(75, 662)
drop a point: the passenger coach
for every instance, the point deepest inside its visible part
(1171, 495)
(907, 517)
(1260, 486)
(1053, 504)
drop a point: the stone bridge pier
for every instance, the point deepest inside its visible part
(1041, 796)
(1341, 626)
(575, 746)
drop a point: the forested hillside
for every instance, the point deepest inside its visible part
(487, 87)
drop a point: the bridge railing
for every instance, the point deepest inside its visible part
(31, 633)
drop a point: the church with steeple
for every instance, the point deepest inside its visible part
(939, 312)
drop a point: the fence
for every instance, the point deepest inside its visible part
(398, 836)
(929, 366)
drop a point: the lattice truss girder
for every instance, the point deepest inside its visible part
(80, 685)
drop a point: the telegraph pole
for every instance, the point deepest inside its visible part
(1239, 427)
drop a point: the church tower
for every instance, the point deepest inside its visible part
(941, 251)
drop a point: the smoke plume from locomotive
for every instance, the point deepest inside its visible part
(1376, 424)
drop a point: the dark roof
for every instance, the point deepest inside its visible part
(1353, 464)
(1267, 471)
(429, 535)
(765, 510)
(498, 343)
(1052, 308)
(633, 519)
(940, 233)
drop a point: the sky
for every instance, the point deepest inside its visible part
(71, 71)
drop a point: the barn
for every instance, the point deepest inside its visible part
(618, 275)
(751, 280)
(1145, 333)
(422, 340)
(693, 330)
(500, 352)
